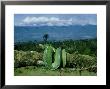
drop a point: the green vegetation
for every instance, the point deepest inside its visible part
(45, 37)
(64, 58)
(47, 57)
(78, 57)
(57, 59)
(87, 47)
(41, 71)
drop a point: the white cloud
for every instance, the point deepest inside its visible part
(35, 19)
(54, 21)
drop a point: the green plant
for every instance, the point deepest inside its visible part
(47, 56)
(53, 58)
(57, 57)
(45, 37)
(26, 58)
(64, 57)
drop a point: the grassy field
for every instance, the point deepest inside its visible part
(41, 71)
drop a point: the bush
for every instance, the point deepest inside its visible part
(75, 60)
(86, 47)
(81, 61)
(27, 58)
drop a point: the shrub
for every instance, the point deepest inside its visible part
(75, 60)
(80, 61)
(26, 58)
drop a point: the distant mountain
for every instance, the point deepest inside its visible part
(75, 32)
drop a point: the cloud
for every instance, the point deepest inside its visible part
(86, 37)
(40, 19)
(54, 21)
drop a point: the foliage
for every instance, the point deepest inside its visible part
(81, 61)
(64, 57)
(52, 58)
(86, 47)
(31, 58)
(57, 59)
(47, 56)
(26, 58)
(45, 37)
(80, 54)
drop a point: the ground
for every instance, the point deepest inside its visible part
(41, 71)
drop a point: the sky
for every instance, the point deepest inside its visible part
(54, 19)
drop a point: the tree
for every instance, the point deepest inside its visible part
(45, 37)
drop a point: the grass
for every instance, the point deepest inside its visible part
(41, 71)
